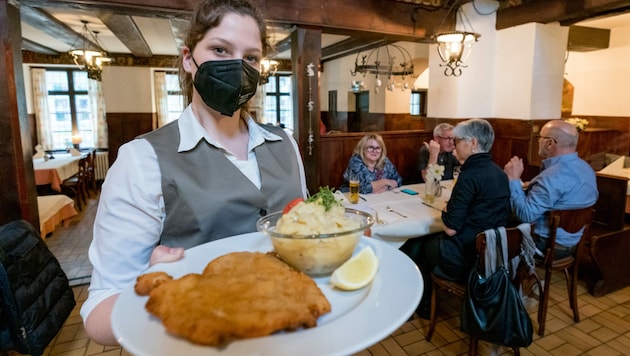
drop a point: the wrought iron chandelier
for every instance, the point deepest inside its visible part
(388, 60)
(90, 56)
(268, 68)
(455, 46)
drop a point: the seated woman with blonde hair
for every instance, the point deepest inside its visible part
(370, 165)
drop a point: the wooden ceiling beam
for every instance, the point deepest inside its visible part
(383, 17)
(351, 46)
(28, 45)
(567, 12)
(123, 27)
(179, 28)
(53, 27)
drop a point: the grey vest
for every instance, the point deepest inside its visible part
(208, 198)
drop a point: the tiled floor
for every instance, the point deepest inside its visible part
(603, 330)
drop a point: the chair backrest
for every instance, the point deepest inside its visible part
(570, 221)
(514, 238)
(83, 164)
(91, 156)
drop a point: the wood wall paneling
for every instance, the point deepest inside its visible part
(336, 150)
(124, 127)
(512, 138)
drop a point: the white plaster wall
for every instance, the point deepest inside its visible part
(529, 67)
(470, 94)
(128, 89)
(548, 71)
(600, 77)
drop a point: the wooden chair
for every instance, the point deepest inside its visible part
(515, 239)
(76, 186)
(91, 172)
(571, 221)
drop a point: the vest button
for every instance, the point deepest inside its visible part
(263, 212)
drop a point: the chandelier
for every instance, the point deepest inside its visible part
(268, 68)
(388, 61)
(455, 46)
(90, 56)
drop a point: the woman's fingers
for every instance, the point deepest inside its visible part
(162, 254)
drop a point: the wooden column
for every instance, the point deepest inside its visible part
(306, 44)
(18, 195)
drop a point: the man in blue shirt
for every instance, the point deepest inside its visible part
(565, 182)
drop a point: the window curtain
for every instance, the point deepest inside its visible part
(161, 99)
(40, 103)
(98, 113)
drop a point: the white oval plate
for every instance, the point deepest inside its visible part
(358, 319)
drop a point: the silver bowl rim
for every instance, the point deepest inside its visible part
(263, 226)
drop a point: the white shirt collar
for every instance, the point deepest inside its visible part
(191, 132)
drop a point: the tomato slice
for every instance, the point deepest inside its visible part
(291, 204)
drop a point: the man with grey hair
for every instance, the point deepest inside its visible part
(565, 182)
(438, 151)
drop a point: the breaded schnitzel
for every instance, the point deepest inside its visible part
(238, 295)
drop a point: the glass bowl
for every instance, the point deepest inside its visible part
(317, 254)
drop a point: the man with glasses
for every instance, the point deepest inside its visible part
(565, 182)
(438, 151)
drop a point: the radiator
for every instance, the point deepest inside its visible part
(101, 165)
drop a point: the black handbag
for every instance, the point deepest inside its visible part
(493, 310)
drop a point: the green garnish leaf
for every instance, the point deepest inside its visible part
(325, 197)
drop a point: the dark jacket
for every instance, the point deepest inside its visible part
(35, 298)
(480, 200)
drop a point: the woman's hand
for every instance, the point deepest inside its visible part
(449, 231)
(166, 254)
(383, 185)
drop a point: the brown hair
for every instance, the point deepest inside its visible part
(207, 15)
(360, 148)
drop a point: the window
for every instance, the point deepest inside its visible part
(69, 107)
(175, 96)
(278, 103)
(418, 103)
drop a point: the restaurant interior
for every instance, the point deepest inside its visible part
(530, 61)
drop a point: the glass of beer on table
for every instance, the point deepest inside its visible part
(354, 190)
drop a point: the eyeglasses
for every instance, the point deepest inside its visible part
(458, 140)
(373, 149)
(447, 138)
(547, 138)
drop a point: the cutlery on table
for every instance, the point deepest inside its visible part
(431, 206)
(394, 211)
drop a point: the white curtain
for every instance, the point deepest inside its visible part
(40, 103)
(98, 113)
(161, 99)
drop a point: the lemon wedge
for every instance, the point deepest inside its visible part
(357, 272)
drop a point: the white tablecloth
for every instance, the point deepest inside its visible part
(617, 168)
(420, 219)
(53, 210)
(54, 171)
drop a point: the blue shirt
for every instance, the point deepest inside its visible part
(358, 168)
(565, 182)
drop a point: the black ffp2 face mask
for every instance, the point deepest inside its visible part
(226, 85)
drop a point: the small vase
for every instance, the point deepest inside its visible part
(432, 190)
